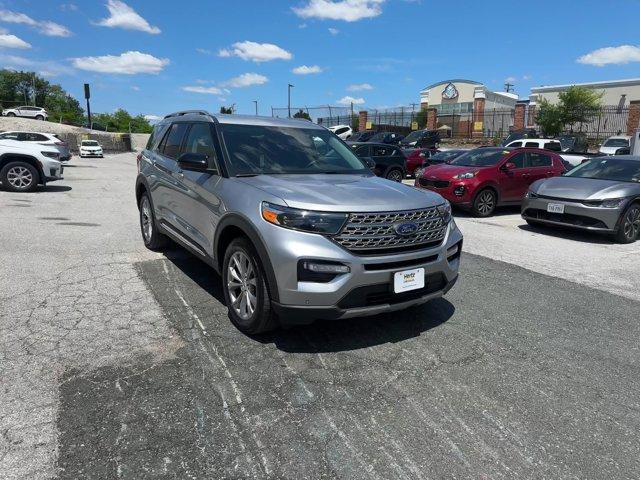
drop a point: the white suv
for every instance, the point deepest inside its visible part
(24, 166)
(343, 131)
(38, 113)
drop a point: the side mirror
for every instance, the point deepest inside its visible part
(196, 162)
(508, 166)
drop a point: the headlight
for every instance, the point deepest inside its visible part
(54, 155)
(305, 220)
(612, 203)
(530, 194)
(445, 212)
(465, 175)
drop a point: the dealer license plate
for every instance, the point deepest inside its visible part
(408, 280)
(555, 208)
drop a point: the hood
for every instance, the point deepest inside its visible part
(448, 172)
(575, 188)
(27, 147)
(343, 193)
(609, 150)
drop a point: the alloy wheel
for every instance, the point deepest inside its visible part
(146, 219)
(631, 225)
(20, 177)
(486, 202)
(242, 284)
(395, 176)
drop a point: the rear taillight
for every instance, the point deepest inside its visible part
(138, 159)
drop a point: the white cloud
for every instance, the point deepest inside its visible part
(204, 90)
(69, 7)
(152, 118)
(123, 16)
(256, 52)
(245, 80)
(333, 31)
(11, 41)
(45, 68)
(346, 10)
(359, 87)
(127, 63)
(611, 56)
(510, 79)
(51, 29)
(307, 70)
(348, 100)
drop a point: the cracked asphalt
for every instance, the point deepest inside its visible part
(116, 362)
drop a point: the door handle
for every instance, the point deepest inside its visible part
(526, 175)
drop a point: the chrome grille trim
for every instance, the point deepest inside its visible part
(364, 232)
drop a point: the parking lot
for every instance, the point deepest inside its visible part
(117, 362)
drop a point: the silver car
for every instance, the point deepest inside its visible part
(38, 113)
(297, 225)
(601, 195)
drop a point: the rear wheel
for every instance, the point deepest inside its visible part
(39, 117)
(485, 203)
(629, 228)
(20, 177)
(153, 239)
(394, 175)
(245, 289)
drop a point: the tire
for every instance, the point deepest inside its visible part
(629, 228)
(485, 203)
(19, 177)
(151, 236)
(39, 117)
(533, 223)
(244, 286)
(394, 175)
(11, 114)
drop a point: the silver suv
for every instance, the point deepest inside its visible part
(297, 225)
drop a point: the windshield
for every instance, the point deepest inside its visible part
(616, 142)
(567, 142)
(378, 137)
(446, 155)
(413, 137)
(269, 150)
(480, 157)
(615, 169)
(89, 143)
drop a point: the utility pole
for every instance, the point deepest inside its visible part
(508, 87)
(289, 101)
(87, 95)
(256, 102)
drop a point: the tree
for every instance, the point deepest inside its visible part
(550, 118)
(227, 110)
(575, 105)
(302, 114)
(421, 118)
(122, 121)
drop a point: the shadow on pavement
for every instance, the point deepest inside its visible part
(53, 189)
(568, 234)
(325, 335)
(500, 212)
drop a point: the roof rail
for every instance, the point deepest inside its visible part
(187, 112)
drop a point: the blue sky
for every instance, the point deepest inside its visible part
(156, 56)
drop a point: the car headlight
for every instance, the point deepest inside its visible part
(612, 203)
(465, 175)
(305, 220)
(530, 194)
(54, 155)
(445, 211)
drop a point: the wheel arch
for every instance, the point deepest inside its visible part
(233, 226)
(490, 186)
(12, 157)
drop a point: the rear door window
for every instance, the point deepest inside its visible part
(362, 151)
(173, 140)
(539, 160)
(553, 146)
(380, 151)
(341, 130)
(519, 160)
(531, 145)
(516, 144)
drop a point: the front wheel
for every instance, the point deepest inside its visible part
(485, 203)
(394, 175)
(153, 239)
(11, 114)
(20, 177)
(245, 289)
(629, 228)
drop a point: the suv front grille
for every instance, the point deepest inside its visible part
(374, 233)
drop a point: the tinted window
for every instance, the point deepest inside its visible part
(553, 146)
(381, 151)
(480, 157)
(530, 145)
(174, 140)
(200, 140)
(616, 142)
(10, 136)
(341, 130)
(608, 169)
(540, 160)
(519, 160)
(36, 137)
(362, 151)
(155, 137)
(516, 144)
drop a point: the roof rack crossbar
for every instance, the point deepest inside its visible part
(187, 112)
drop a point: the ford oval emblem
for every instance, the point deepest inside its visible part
(405, 229)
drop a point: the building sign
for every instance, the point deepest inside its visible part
(477, 126)
(450, 92)
(414, 125)
(369, 126)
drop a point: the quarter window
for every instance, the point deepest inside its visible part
(173, 140)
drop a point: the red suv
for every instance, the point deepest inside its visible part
(485, 178)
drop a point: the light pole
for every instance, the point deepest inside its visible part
(256, 102)
(289, 102)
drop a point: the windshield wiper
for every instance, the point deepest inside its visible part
(247, 174)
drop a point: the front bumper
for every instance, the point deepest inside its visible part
(367, 289)
(457, 192)
(95, 153)
(53, 173)
(576, 214)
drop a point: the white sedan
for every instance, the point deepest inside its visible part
(91, 148)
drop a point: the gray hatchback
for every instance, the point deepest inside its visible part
(297, 225)
(601, 195)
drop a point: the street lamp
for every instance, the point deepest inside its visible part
(289, 102)
(256, 102)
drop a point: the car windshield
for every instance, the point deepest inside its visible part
(378, 137)
(480, 157)
(567, 142)
(616, 169)
(255, 150)
(413, 137)
(616, 142)
(446, 155)
(89, 143)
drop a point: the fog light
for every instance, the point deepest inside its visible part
(333, 268)
(454, 251)
(459, 190)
